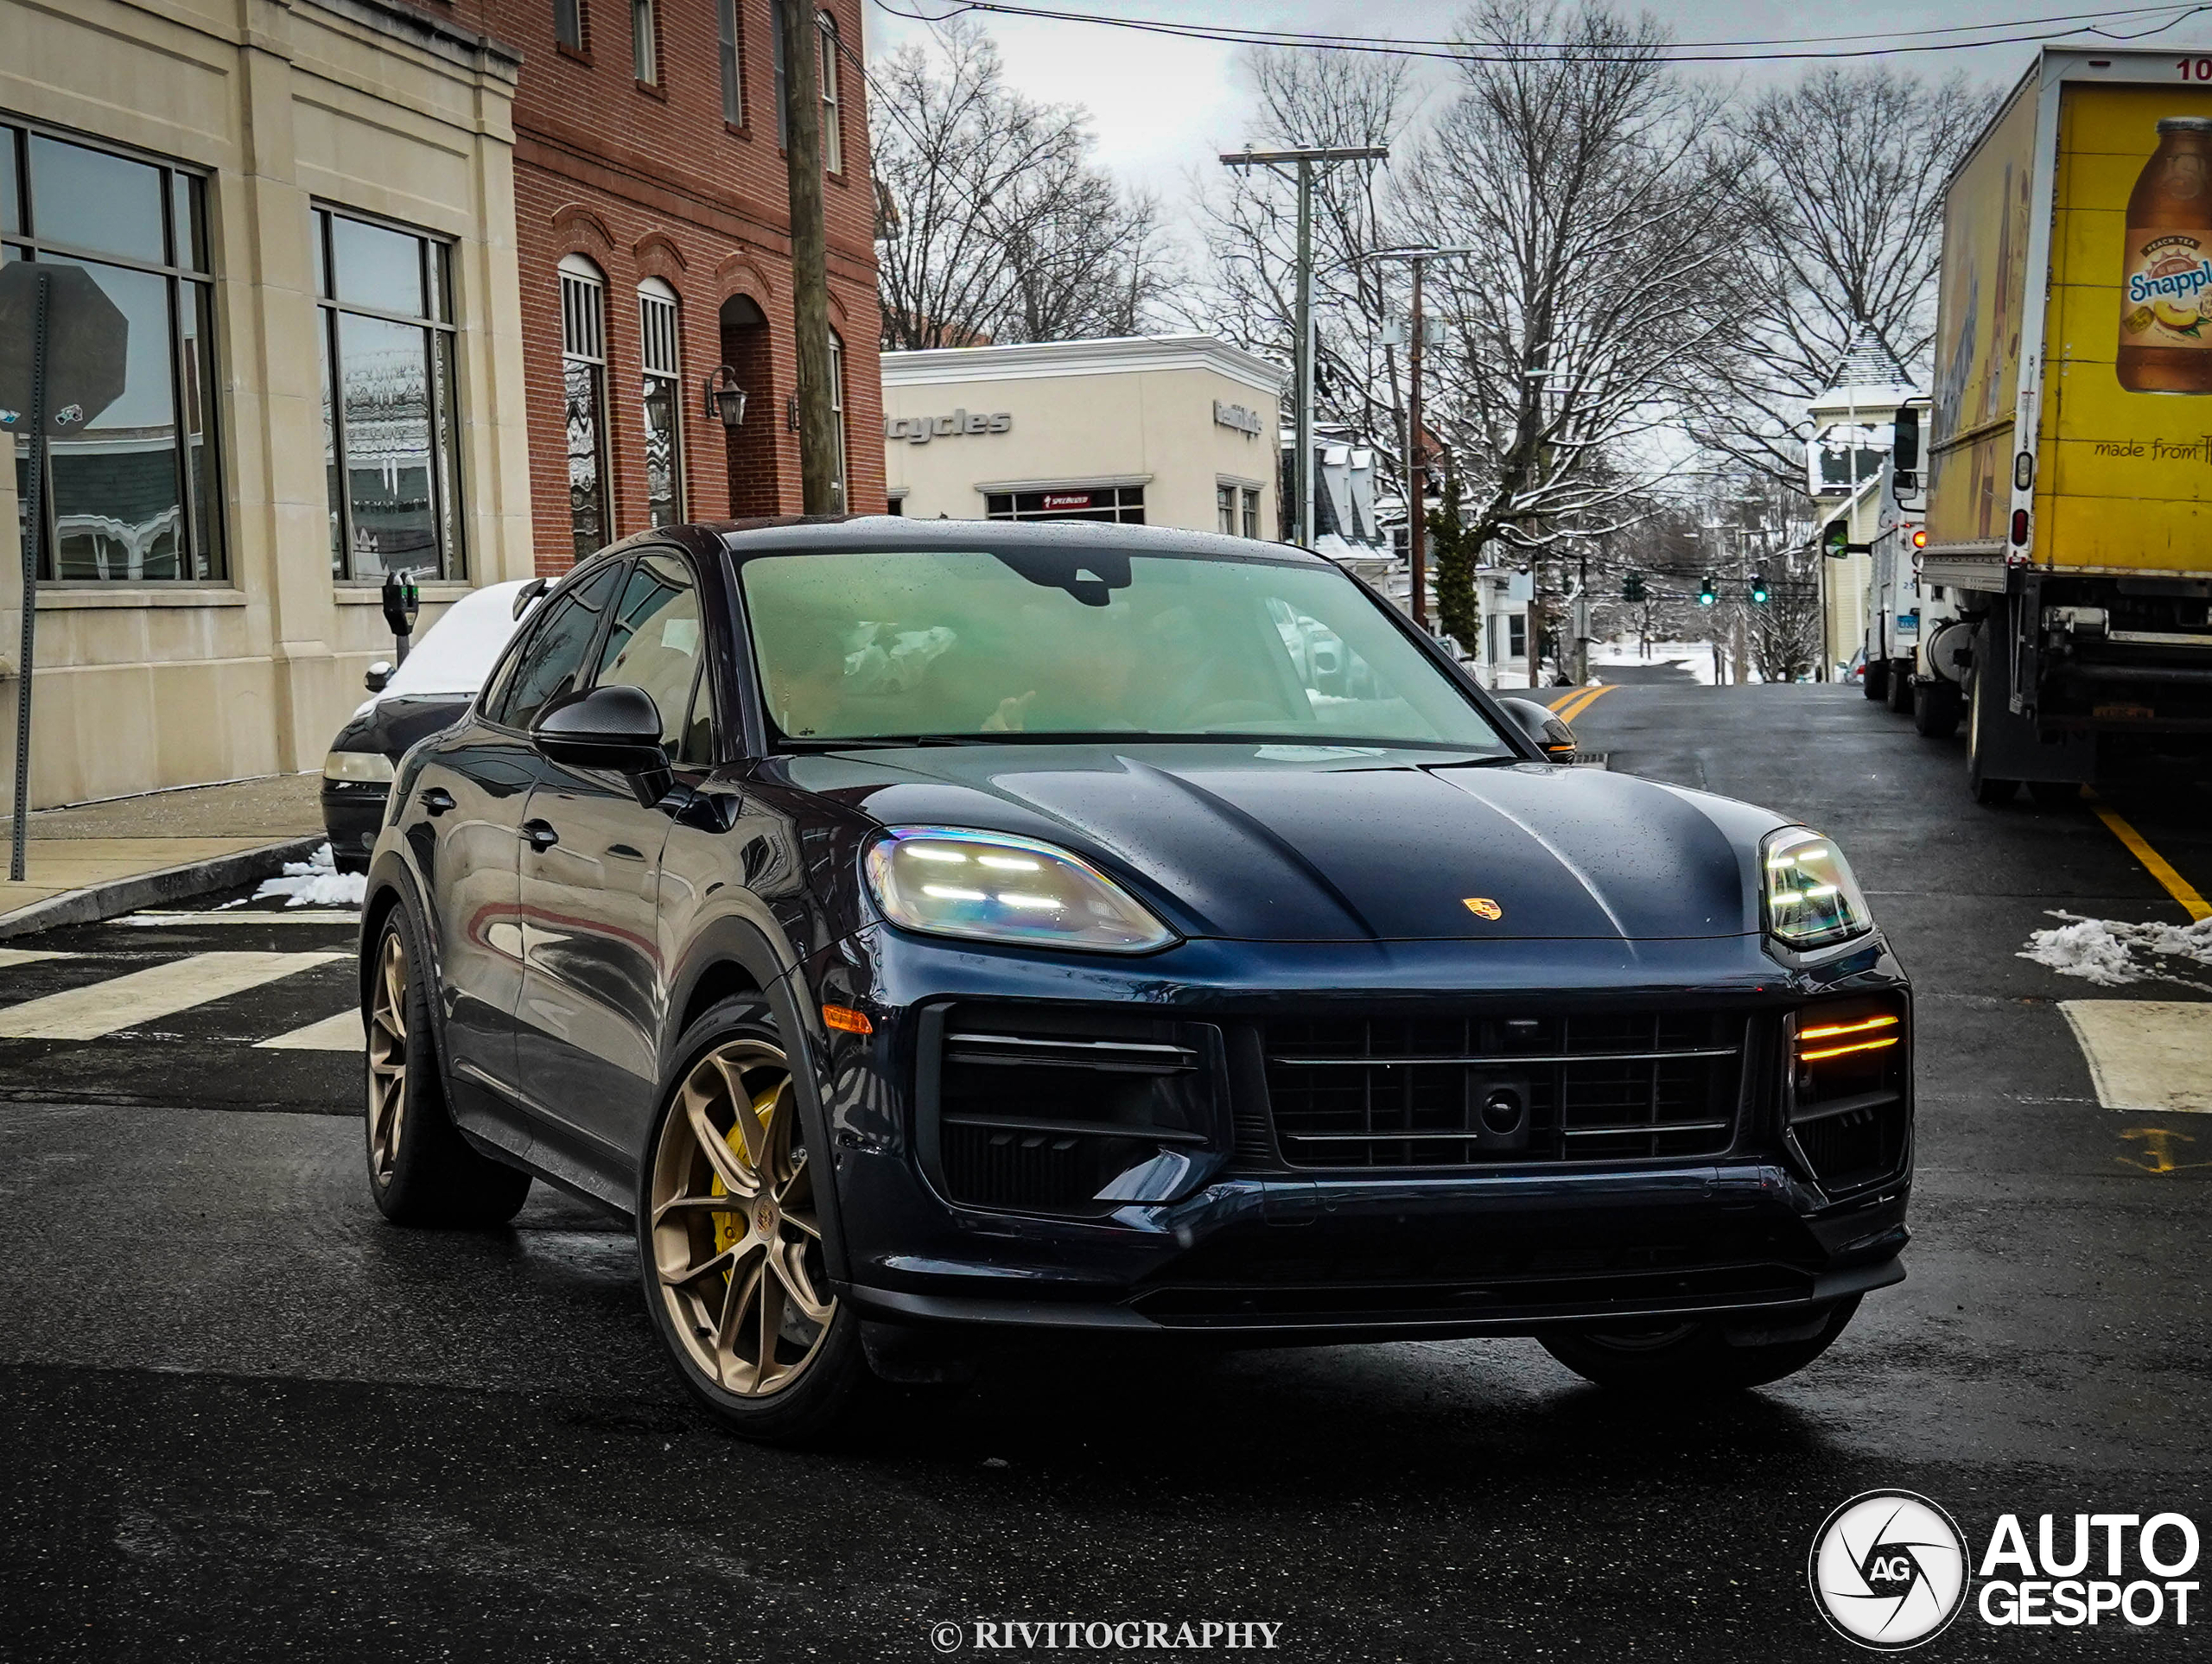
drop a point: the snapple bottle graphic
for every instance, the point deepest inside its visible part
(2165, 304)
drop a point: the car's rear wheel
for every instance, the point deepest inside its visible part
(731, 1239)
(422, 1172)
(1673, 1355)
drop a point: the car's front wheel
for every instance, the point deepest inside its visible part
(1696, 1356)
(731, 1239)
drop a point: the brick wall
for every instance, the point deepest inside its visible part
(652, 182)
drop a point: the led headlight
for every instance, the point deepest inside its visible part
(1811, 899)
(996, 887)
(362, 767)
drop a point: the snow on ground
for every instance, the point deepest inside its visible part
(1695, 657)
(2111, 952)
(317, 882)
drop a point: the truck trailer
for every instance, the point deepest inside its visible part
(2069, 527)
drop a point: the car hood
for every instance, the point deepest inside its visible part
(1324, 844)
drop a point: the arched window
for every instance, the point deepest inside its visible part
(583, 391)
(837, 415)
(664, 378)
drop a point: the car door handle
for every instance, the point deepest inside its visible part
(438, 800)
(540, 834)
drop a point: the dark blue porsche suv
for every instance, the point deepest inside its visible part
(922, 929)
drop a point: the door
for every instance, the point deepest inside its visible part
(593, 984)
(475, 794)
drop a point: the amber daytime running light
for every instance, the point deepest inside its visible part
(1837, 1039)
(1810, 897)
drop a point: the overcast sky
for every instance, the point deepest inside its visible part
(1161, 106)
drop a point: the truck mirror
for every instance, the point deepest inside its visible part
(1904, 451)
(1835, 539)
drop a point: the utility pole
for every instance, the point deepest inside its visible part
(1416, 450)
(817, 419)
(1303, 159)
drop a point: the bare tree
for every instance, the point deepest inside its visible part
(1588, 179)
(1249, 222)
(1838, 188)
(997, 224)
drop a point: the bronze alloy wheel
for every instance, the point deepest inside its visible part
(388, 1059)
(736, 1246)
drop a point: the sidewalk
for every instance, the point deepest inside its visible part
(98, 860)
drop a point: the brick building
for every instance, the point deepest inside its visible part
(653, 238)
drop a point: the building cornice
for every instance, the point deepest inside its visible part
(462, 47)
(1115, 355)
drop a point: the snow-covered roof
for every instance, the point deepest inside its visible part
(1869, 375)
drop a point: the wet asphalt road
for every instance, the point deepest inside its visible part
(239, 1417)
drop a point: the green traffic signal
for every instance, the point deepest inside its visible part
(1758, 588)
(1708, 592)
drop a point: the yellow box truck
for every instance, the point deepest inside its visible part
(2069, 490)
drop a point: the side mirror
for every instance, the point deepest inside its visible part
(1548, 728)
(379, 674)
(529, 592)
(613, 727)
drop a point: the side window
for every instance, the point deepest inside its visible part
(654, 642)
(550, 666)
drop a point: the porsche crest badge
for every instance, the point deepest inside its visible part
(1483, 907)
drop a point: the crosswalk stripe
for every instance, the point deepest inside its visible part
(341, 1032)
(28, 955)
(302, 916)
(146, 996)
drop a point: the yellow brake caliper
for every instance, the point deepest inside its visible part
(729, 1227)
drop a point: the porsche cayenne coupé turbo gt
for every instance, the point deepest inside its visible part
(955, 926)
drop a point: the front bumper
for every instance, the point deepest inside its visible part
(1236, 1243)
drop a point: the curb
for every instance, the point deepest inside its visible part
(125, 895)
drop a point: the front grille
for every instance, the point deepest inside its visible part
(1365, 1092)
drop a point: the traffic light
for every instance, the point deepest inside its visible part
(1632, 586)
(1759, 589)
(1707, 592)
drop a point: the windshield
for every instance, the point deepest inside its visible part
(877, 644)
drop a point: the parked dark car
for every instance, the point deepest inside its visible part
(928, 928)
(428, 691)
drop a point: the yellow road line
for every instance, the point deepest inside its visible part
(1581, 700)
(2161, 869)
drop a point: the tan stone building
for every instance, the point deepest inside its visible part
(1175, 430)
(305, 208)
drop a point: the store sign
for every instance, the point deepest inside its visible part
(919, 430)
(1245, 422)
(1067, 499)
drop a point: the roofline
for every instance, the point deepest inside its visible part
(1108, 355)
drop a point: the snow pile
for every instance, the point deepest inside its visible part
(317, 882)
(1695, 657)
(2111, 952)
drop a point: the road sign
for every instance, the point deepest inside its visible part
(65, 353)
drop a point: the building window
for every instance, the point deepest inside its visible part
(732, 80)
(644, 52)
(390, 430)
(1252, 512)
(664, 376)
(832, 131)
(584, 391)
(135, 495)
(569, 24)
(1517, 635)
(1124, 503)
(837, 415)
(1224, 509)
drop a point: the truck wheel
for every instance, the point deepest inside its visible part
(1875, 681)
(1900, 688)
(1935, 709)
(1989, 793)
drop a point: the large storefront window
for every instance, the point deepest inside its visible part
(389, 428)
(136, 496)
(1124, 503)
(663, 376)
(583, 397)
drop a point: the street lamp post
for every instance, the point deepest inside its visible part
(1416, 452)
(1303, 159)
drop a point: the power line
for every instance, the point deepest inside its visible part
(1743, 51)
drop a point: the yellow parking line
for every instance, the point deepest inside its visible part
(1580, 701)
(2161, 869)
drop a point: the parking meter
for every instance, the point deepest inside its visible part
(402, 600)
